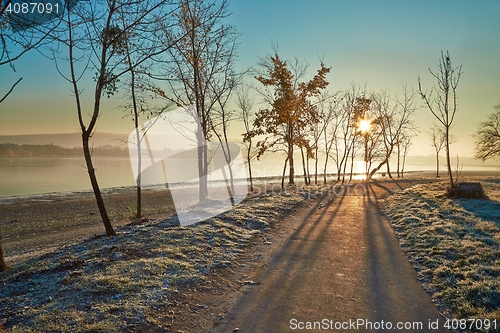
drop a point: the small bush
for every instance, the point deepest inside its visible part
(467, 191)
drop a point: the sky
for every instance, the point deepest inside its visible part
(383, 44)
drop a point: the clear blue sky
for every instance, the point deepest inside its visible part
(384, 44)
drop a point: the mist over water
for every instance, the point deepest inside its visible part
(38, 175)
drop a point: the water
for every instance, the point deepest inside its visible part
(36, 175)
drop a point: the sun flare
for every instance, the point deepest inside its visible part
(364, 125)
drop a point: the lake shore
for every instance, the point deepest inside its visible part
(37, 224)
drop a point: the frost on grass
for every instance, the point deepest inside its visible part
(454, 246)
(124, 283)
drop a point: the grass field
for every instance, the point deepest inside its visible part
(125, 283)
(454, 245)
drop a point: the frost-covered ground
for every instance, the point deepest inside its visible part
(124, 283)
(454, 244)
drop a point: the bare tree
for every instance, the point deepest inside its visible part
(347, 122)
(403, 145)
(324, 132)
(245, 104)
(140, 45)
(370, 133)
(438, 141)
(402, 149)
(324, 104)
(442, 100)
(223, 115)
(488, 137)
(393, 117)
(365, 131)
(198, 68)
(332, 119)
(136, 110)
(96, 37)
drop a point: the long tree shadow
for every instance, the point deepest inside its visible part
(395, 293)
(284, 276)
(487, 210)
(342, 262)
(492, 180)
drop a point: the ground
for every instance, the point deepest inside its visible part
(302, 238)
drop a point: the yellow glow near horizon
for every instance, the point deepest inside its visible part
(364, 125)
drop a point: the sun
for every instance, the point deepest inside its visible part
(364, 125)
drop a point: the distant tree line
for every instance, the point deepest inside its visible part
(12, 149)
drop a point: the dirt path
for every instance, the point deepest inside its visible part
(341, 263)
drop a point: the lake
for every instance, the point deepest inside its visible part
(36, 175)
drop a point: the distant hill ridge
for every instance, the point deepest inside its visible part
(66, 140)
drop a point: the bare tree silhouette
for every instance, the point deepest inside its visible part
(488, 137)
(442, 100)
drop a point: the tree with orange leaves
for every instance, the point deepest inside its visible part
(291, 114)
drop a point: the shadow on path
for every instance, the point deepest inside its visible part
(341, 264)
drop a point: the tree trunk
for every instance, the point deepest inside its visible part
(291, 174)
(283, 174)
(389, 170)
(202, 158)
(324, 171)
(339, 165)
(250, 166)
(450, 173)
(308, 170)
(304, 166)
(139, 153)
(376, 169)
(437, 165)
(352, 165)
(343, 161)
(137, 133)
(227, 156)
(385, 161)
(230, 186)
(339, 170)
(139, 166)
(95, 186)
(316, 168)
(345, 168)
(403, 166)
(3, 265)
(399, 159)
(139, 198)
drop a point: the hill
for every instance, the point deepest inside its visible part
(65, 140)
